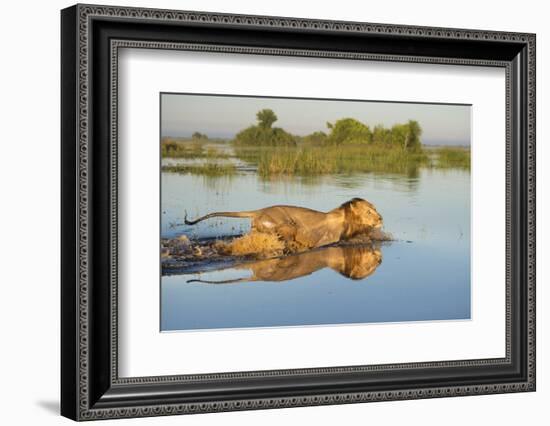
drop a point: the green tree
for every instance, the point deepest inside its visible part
(198, 136)
(415, 131)
(315, 138)
(407, 136)
(349, 131)
(266, 118)
(381, 135)
(399, 135)
(263, 134)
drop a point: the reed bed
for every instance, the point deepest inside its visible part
(453, 158)
(209, 168)
(313, 161)
(190, 149)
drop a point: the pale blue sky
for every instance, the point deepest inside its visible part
(224, 116)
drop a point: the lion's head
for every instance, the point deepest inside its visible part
(360, 262)
(361, 217)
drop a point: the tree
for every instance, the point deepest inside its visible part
(399, 135)
(315, 138)
(263, 134)
(414, 133)
(349, 131)
(381, 135)
(407, 136)
(266, 118)
(198, 136)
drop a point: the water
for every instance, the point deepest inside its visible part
(423, 276)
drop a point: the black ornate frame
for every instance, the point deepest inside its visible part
(91, 37)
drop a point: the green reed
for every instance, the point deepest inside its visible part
(453, 158)
(190, 149)
(209, 168)
(312, 160)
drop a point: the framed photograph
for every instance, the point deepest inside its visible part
(263, 212)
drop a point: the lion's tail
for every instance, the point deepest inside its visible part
(249, 214)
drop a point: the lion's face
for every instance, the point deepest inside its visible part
(364, 214)
(360, 262)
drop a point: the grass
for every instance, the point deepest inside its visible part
(210, 169)
(314, 161)
(188, 148)
(453, 157)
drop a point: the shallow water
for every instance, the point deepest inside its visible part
(423, 275)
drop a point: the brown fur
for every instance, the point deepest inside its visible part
(352, 226)
(302, 228)
(259, 244)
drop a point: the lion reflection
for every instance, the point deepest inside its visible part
(354, 262)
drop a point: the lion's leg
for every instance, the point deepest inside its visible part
(264, 224)
(286, 232)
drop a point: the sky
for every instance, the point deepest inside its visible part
(224, 116)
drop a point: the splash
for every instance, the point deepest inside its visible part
(180, 253)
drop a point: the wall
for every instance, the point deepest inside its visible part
(29, 168)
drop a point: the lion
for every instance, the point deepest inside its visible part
(354, 262)
(307, 228)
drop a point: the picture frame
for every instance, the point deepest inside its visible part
(91, 37)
